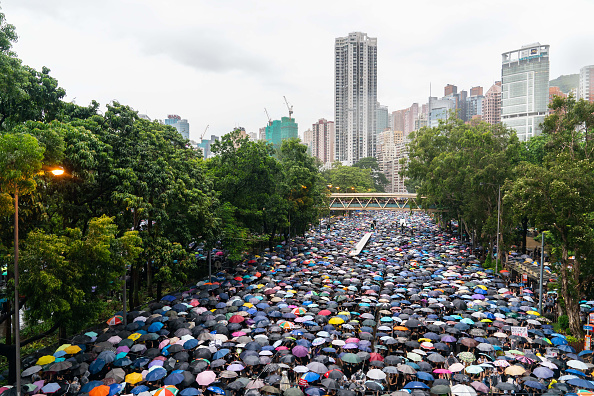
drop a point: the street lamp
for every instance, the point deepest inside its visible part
(17, 325)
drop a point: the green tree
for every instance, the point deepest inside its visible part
(459, 168)
(379, 179)
(557, 196)
(349, 179)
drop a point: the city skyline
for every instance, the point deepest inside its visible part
(215, 66)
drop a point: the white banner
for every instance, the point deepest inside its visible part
(520, 331)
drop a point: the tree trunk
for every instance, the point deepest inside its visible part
(159, 290)
(571, 302)
(524, 234)
(62, 336)
(8, 324)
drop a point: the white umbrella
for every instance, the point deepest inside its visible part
(576, 364)
(376, 374)
(463, 390)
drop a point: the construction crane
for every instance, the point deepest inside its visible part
(204, 133)
(289, 107)
(267, 115)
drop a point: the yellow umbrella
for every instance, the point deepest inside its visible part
(482, 287)
(133, 378)
(62, 347)
(424, 340)
(486, 320)
(336, 321)
(345, 313)
(533, 313)
(47, 359)
(134, 336)
(515, 370)
(249, 305)
(72, 349)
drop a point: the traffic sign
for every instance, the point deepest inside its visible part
(589, 327)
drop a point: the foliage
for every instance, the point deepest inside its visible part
(349, 179)
(563, 322)
(459, 168)
(60, 276)
(20, 161)
(379, 179)
(557, 196)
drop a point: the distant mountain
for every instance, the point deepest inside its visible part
(566, 83)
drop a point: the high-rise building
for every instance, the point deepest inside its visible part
(398, 120)
(525, 89)
(555, 91)
(474, 104)
(382, 118)
(439, 109)
(323, 141)
(355, 96)
(476, 91)
(492, 104)
(586, 84)
(391, 148)
(308, 139)
(262, 133)
(206, 144)
(410, 116)
(182, 126)
(279, 130)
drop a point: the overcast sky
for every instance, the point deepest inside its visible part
(220, 62)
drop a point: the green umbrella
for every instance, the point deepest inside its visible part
(293, 392)
(351, 358)
(440, 389)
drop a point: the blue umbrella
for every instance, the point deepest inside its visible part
(156, 374)
(566, 348)
(189, 392)
(314, 392)
(96, 366)
(424, 376)
(416, 385)
(543, 372)
(115, 388)
(173, 379)
(581, 383)
(559, 341)
(140, 389)
(216, 390)
(90, 385)
(168, 298)
(51, 387)
(535, 385)
(155, 326)
(576, 372)
(191, 344)
(311, 376)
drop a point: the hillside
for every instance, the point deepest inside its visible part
(566, 83)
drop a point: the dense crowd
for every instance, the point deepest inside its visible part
(413, 313)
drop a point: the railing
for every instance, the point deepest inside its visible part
(377, 201)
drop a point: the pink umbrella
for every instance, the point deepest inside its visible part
(238, 334)
(164, 343)
(480, 387)
(442, 371)
(352, 340)
(206, 377)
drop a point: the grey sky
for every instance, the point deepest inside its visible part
(221, 62)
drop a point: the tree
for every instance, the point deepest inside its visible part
(459, 168)
(557, 196)
(301, 179)
(349, 179)
(379, 179)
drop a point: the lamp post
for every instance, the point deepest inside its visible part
(17, 321)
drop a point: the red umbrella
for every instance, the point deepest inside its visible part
(236, 319)
(116, 320)
(375, 356)
(324, 312)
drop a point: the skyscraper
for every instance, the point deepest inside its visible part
(492, 104)
(182, 126)
(323, 141)
(382, 118)
(586, 84)
(525, 89)
(355, 96)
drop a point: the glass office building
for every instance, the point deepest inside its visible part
(525, 89)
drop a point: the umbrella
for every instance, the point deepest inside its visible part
(168, 390)
(463, 390)
(376, 374)
(206, 378)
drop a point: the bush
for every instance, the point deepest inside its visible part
(572, 339)
(563, 322)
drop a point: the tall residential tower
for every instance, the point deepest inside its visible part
(355, 97)
(525, 89)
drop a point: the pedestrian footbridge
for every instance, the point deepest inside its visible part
(377, 201)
